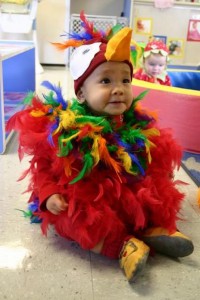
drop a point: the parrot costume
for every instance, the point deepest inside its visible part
(115, 172)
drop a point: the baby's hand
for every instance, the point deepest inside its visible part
(56, 203)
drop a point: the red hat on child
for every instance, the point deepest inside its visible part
(93, 47)
(85, 59)
(155, 47)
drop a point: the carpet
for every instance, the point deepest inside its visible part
(191, 164)
(13, 102)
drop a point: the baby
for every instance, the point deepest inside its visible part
(154, 60)
(100, 167)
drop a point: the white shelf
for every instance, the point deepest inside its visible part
(17, 75)
(176, 3)
(8, 49)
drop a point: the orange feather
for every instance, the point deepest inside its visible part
(105, 155)
(67, 44)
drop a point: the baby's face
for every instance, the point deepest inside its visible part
(155, 64)
(108, 89)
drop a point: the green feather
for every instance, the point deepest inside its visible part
(112, 148)
(87, 167)
(28, 99)
(140, 96)
(129, 116)
(114, 30)
(49, 99)
(131, 135)
(65, 147)
(26, 214)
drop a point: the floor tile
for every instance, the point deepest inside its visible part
(35, 267)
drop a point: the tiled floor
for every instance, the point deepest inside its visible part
(35, 267)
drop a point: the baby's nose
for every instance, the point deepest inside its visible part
(118, 89)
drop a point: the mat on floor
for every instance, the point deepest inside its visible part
(191, 164)
(13, 102)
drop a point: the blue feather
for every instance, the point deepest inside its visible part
(50, 140)
(47, 84)
(81, 36)
(127, 147)
(87, 36)
(121, 143)
(75, 36)
(53, 128)
(33, 206)
(58, 91)
(136, 161)
(140, 143)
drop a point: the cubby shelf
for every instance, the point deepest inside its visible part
(17, 74)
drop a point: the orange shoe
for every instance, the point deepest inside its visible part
(175, 245)
(133, 258)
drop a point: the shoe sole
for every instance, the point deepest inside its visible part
(139, 269)
(170, 246)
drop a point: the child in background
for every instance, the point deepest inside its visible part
(154, 61)
(101, 170)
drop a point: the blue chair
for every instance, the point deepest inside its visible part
(185, 79)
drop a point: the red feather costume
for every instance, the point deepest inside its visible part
(114, 172)
(104, 204)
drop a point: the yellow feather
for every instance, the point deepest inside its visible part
(95, 149)
(126, 160)
(71, 137)
(37, 113)
(198, 197)
(67, 118)
(148, 153)
(150, 132)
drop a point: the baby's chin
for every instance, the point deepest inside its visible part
(155, 74)
(114, 113)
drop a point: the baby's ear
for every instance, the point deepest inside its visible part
(80, 96)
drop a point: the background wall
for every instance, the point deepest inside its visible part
(53, 20)
(173, 23)
(98, 7)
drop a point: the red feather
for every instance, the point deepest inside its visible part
(89, 26)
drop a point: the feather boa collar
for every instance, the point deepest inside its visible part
(119, 144)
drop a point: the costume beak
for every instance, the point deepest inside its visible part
(118, 47)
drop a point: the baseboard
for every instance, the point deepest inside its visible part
(53, 65)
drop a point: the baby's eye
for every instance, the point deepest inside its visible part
(105, 80)
(126, 80)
